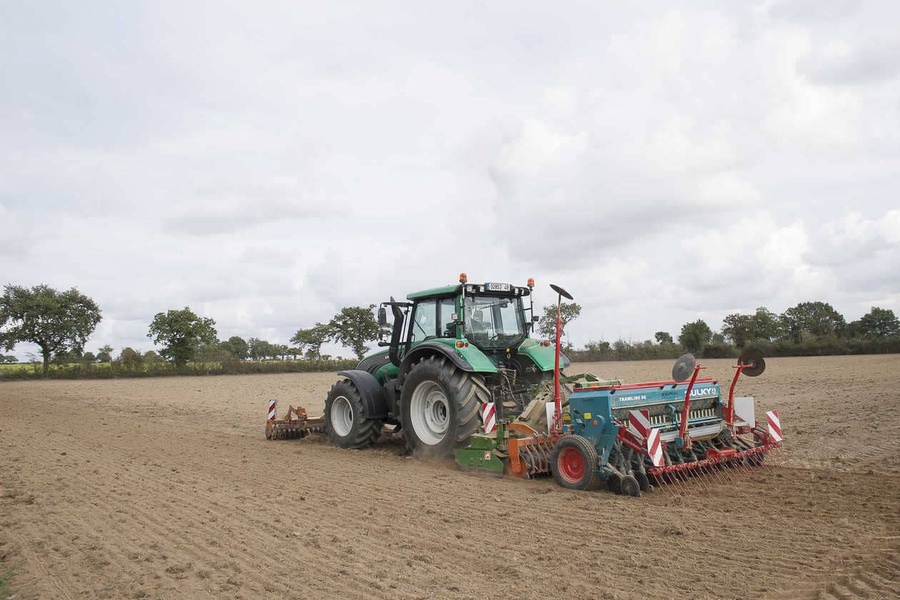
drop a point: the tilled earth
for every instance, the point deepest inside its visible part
(167, 488)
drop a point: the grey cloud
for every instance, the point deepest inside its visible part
(269, 164)
(811, 11)
(867, 65)
(226, 209)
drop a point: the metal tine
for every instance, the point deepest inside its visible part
(682, 478)
(723, 470)
(664, 483)
(699, 479)
(744, 468)
(702, 477)
(673, 482)
(706, 474)
(662, 486)
(709, 475)
(670, 483)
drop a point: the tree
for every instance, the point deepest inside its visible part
(818, 319)
(88, 357)
(765, 325)
(695, 336)
(737, 328)
(878, 323)
(181, 333)
(236, 347)
(311, 340)
(131, 359)
(260, 349)
(104, 354)
(663, 337)
(58, 322)
(8, 358)
(353, 327)
(568, 311)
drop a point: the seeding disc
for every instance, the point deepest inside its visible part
(684, 367)
(754, 363)
(630, 486)
(614, 484)
(642, 480)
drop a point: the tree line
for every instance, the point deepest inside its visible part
(809, 328)
(60, 323)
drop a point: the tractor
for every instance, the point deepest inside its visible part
(461, 377)
(455, 353)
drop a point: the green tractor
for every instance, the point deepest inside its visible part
(459, 359)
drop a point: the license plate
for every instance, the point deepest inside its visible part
(497, 287)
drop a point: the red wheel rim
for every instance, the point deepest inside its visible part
(571, 465)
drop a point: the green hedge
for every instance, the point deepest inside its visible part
(116, 369)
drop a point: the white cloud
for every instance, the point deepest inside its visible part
(268, 165)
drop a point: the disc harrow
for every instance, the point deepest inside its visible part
(295, 425)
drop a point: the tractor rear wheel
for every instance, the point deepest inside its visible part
(345, 417)
(439, 407)
(574, 463)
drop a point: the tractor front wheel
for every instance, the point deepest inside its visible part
(574, 463)
(345, 417)
(439, 407)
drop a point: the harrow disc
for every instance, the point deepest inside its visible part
(684, 367)
(754, 363)
(561, 291)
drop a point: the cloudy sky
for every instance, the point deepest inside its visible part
(268, 163)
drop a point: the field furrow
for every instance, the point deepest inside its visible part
(167, 488)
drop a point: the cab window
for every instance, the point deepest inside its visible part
(424, 321)
(447, 317)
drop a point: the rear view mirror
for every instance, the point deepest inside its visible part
(382, 317)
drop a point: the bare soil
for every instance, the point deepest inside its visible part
(167, 488)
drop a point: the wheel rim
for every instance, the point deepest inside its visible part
(341, 416)
(571, 465)
(429, 412)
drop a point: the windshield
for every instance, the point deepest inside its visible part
(494, 322)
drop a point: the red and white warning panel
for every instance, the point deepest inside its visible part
(654, 448)
(639, 423)
(489, 417)
(273, 409)
(774, 425)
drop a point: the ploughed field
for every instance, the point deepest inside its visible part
(167, 488)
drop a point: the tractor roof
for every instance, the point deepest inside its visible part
(447, 290)
(499, 289)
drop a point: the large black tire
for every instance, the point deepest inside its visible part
(439, 407)
(574, 463)
(345, 417)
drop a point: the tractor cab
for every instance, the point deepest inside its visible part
(492, 317)
(495, 320)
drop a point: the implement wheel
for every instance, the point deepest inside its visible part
(574, 463)
(345, 417)
(439, 407)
